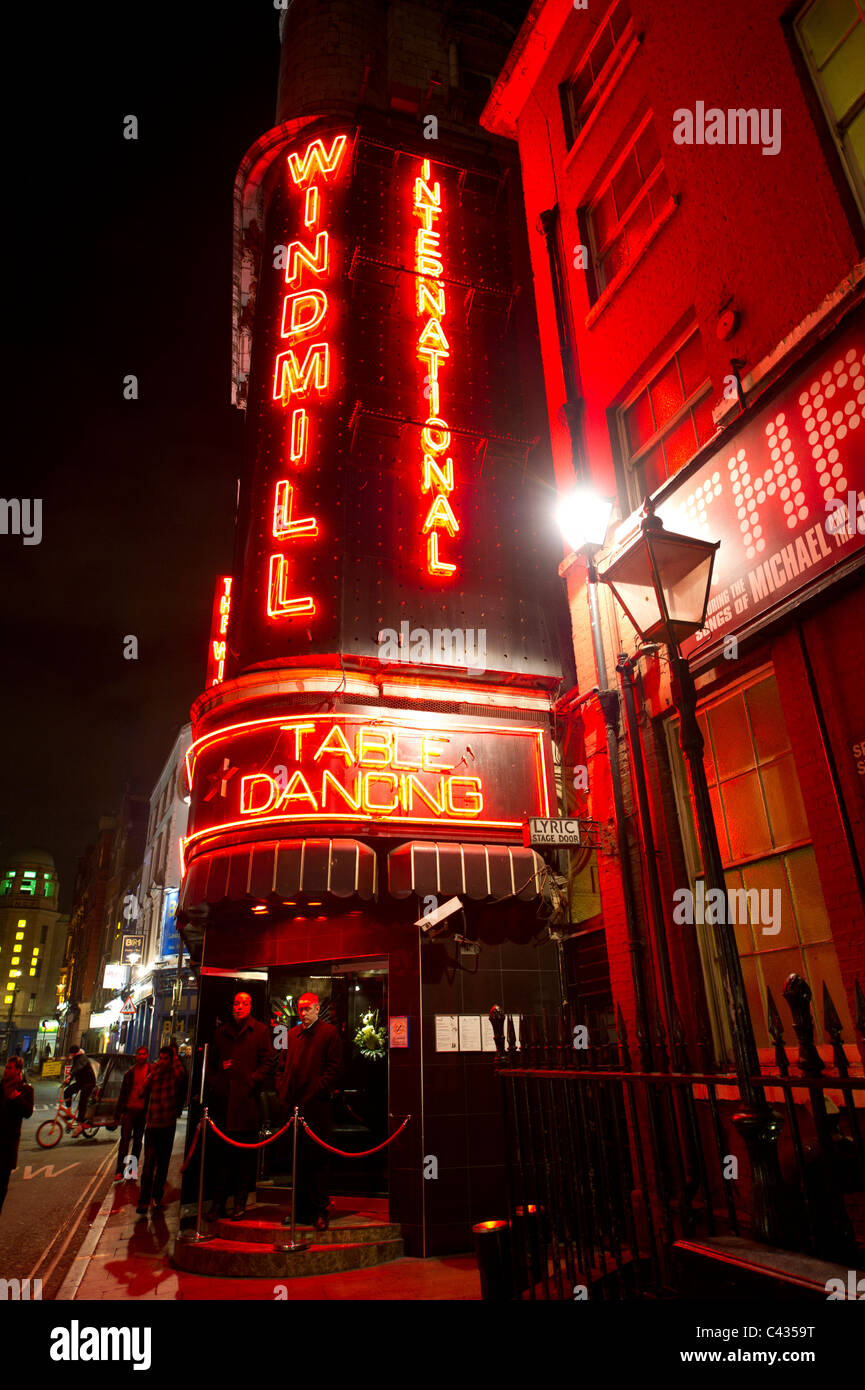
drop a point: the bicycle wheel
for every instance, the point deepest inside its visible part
(49, 1134)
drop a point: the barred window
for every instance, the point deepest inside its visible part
(668, 419)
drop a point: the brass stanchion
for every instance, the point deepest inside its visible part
(198, 1235)
(292, 1244)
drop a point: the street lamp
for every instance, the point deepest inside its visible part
(584, 518)
(662, 580)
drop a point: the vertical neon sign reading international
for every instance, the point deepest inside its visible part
(433, 349)
(301, 372)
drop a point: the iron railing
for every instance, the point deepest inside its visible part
(608, 1165)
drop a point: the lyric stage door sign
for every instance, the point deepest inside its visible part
(786, 496)
(342, 768)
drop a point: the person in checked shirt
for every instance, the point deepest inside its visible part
(164, 1096)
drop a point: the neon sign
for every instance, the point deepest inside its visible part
(301, 371)
(355, 767)
(433, 348)
(217, 647)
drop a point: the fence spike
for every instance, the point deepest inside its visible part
(832, 1024)
(797, 993)
(776, 1033)
(622, 1035)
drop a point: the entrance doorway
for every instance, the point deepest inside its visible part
(353, 997)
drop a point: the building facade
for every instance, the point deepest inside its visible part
(32, 945)
(382, 727)
(701, 322)
(86, 923)
(164, 992)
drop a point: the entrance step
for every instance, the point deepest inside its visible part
(233, 1259)
(262, 1225)
(359, 1236)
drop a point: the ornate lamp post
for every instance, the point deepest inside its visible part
(662, 580)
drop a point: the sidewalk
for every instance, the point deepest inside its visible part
(126, 1256)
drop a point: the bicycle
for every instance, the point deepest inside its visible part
(50, 1132)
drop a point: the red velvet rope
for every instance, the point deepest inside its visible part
(236, 1143)
(343, 1153)
(364, 1153)
(188, 1159)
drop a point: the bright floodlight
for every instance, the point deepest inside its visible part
(583, 518)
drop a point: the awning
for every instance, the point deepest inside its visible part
(279, 869)
(474, 871)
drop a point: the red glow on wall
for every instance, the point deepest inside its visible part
(217, 646)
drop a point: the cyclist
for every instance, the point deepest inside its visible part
(82, 1080)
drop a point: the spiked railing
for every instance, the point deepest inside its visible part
(608, 1167)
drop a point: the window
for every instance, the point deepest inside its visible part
(48, 889)
(766, 850)
(32, 1004)
(667, 421)
(582, 93)
(831, 34)
(620, 218)
(44, 937)
(8, 882)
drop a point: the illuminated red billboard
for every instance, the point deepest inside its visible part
(786, 496)
(370, 771)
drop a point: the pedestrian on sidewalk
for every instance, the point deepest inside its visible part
(307, 1073)
(16, 1104)
(164, 1096)
(82, 1080)
(129, 1114)
(240, 1060)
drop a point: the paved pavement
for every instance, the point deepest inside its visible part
(52, 1194)
(128, 1257)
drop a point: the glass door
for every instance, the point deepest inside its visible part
(353, 997)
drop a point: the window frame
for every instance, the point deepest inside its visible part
(838, 131)
(693, 858)
(598, 293)
(572, 126)
(631, 463)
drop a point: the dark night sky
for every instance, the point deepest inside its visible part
(120, 262)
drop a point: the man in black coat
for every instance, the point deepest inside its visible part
(239, 1060)
(16, 1104)
(307, 1072)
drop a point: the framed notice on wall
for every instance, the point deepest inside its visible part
(399, 1030)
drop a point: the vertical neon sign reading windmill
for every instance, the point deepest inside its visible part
(433, 349)
(301, 372)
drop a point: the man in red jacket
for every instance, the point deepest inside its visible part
(164, 1095)
(308, 1071)
(16, 1104)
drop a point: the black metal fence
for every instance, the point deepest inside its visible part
(608, 1166)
